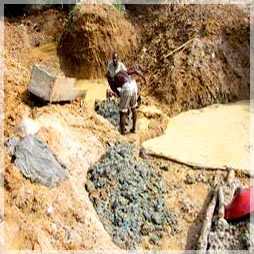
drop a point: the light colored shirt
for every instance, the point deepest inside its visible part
(113, 71)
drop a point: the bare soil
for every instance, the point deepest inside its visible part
(37, 217)
(91, 35)
(213, 67)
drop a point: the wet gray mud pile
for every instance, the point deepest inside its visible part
(109, 109)
(128, 196)
(232, 235)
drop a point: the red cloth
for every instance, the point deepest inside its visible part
(241, 205)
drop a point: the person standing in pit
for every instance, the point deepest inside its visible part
(114, 66)
(128, 96)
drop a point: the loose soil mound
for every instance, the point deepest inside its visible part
(91, 35)
(212, 67)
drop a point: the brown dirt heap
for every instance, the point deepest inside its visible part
(91, 35)
(212, 67)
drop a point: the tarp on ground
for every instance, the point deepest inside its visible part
(217, 136)
(35, 160)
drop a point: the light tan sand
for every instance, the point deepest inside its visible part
(217, 136)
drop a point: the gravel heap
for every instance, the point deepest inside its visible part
(234, 235)
(109, 109)
(130, 197)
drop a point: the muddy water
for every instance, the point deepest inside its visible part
(96, 89)
(44, 51)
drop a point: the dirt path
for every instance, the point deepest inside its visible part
(213, 137)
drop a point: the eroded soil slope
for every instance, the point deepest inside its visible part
(91, 35)
(212, 67)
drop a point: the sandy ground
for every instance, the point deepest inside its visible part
(79, 137)
(214, 137)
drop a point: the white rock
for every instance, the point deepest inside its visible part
(27, 126)
(50, 210)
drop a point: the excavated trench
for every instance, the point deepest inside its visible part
(142, 202)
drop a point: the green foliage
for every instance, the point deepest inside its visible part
(119, 5)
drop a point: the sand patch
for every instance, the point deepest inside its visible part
(217, 136)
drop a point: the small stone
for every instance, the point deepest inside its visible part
(50, 210)
(189, 179)
(142, 153)
(159, 206)
(94, 194)
(221, 224)
(154, 239)
(186, 206)
(156, 218)
(89, 186)
(165, 167)
(147, 228)
(147, 215)
(177, 186)
(201, 178)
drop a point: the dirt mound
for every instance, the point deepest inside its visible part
(72, 132)
(212, 67)
(91, 35)
(45, 27)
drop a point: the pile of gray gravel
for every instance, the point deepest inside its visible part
(109, 110)
(130, 197)
(234, 235)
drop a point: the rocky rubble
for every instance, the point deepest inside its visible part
(128, 196)
(232, 236)
(109, 109)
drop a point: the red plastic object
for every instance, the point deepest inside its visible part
(241, 205)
